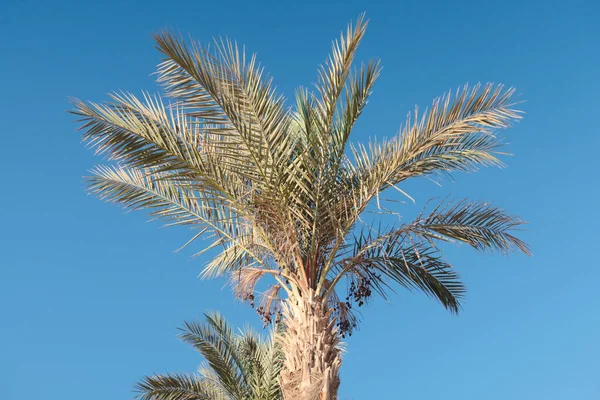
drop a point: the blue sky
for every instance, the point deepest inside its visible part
(90, 298)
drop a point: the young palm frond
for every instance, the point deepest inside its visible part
(281, 189)
(242, 366)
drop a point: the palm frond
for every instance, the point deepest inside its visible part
(456, 134)
(334, 73)
(408, 255)
(176, 387)
(480, 225)
(357, 93)
(137, 189)
(143, 134)
(171, 201)
(404, 261)
(214, 342)
(244, 281)
(231, 94)
(240, 366)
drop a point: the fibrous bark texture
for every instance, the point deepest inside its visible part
(311, 344)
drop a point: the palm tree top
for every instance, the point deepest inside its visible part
(280, 188)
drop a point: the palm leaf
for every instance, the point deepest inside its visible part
(214, 343)
(176, 387)
(240, 366)
(480, 225)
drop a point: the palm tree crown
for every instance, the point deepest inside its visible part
(281, 190)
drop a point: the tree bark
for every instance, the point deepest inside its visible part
(311, 344)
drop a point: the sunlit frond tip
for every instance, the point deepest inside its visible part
(456, 134)
(482, 226)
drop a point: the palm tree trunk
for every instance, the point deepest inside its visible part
(311, 344)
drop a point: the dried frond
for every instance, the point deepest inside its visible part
(270, 304)
(244, 282)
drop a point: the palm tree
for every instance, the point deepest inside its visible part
(241, 366)
(282, 192)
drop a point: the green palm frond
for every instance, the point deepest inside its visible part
(409, 256)
(174, 202)
(456, 134)
(396, 257)
(214, 342)
(358, 91)
(143, 135)
(480, 225)
(177, 387)
(333, 76)
(239, 366)
(230, 96)
(136, 189)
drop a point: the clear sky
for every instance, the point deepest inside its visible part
(90, 298)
